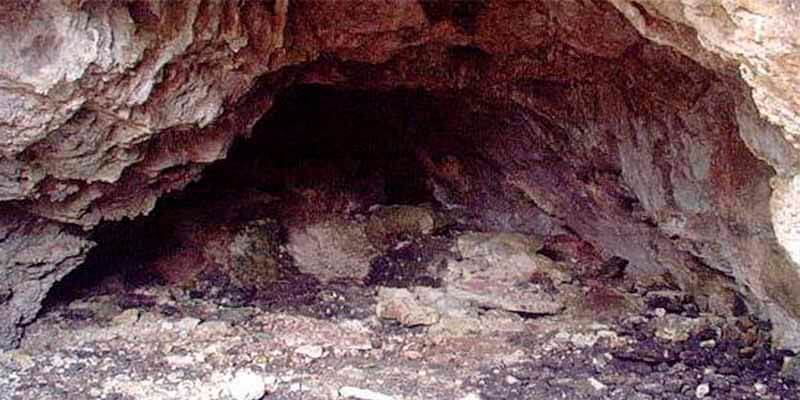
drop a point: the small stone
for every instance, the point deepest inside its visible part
(511, 380)
(471, 396)
(212, 328)
(760, 388)
(349, 392)
(270, 382)
(597, 385)
(599, 362)
(246, 385)
(708, 344)
(675, 328)
(791, 367)
(702, 390)
(127, 317)
(311, 351)
(186, 325)
(747, 351)
(660, 312)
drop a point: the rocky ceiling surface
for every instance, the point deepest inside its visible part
(674, 123)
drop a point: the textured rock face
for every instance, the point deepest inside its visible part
(758, 36)
(35, 255)
(630, 125)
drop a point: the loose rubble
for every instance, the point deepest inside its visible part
(477, 315)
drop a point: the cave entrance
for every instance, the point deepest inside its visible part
(383, 187)
(321, 157)
(351, 191)
(412, 226)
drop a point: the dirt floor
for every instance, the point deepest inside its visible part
(403, 332)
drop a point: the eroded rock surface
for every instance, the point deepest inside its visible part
(629, 126)
(35, 255)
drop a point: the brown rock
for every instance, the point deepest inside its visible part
(402, 306)
(388, 225)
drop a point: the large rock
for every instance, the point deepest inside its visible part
(336, 248)
(497, 271)
(583, 121)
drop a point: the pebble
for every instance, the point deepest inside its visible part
(747, 351)
(708, 344)
(312, 351)
(212, 328)
(511, 380)
(246, 385)
(597, 385)
(349, 392)
(702, 390)
(760, 388)
(471, 396)
(660, 312)
(185, 325)
(127, 317)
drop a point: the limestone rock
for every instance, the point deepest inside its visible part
(480, 283)
(760, 36)
(246, 385)
(676, 328)
(349, 392)
(402, 306)
(332, 249)
(127, 318)
(496, 273)
(311, 351)
(387, 225)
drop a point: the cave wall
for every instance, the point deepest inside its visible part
(107, 106)
(36, 254)
(642, 158)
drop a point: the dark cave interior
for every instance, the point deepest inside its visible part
(357, 148)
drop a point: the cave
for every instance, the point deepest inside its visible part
(319, 152)
(444, 199)
(323, 151)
